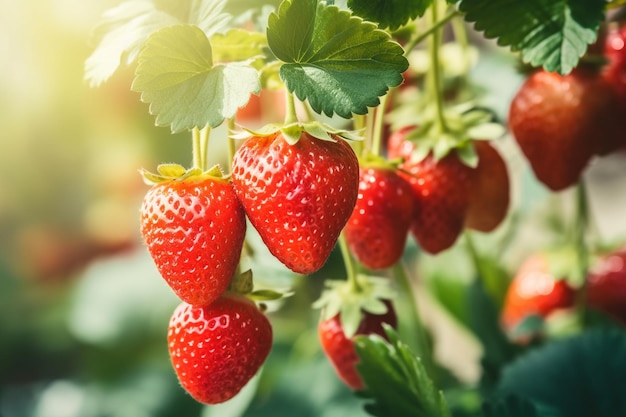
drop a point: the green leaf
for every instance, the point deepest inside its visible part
(514, 406)
(483, 321)
(389, 14)
(579, 376)
(549, 33)
(123, 30)
(177, 77)
(396, 379)
(338, 62)
(120, 36)
(237, 45)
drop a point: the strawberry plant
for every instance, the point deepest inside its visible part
(385, 152)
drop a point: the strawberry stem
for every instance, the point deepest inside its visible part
(435, 71)
(360, 124)
(290, 109)
(355, 286)
(200, 143)
(379, 118)
(231, 142)
(419, 38)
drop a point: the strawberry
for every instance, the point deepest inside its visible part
(194, 229)
(606, 285)
(397, 146)
(297, 196)
(490, 189)
(340, 349)
(217, 348)
(441, 189)
(560, 122)
(377, 230)
(535, 291)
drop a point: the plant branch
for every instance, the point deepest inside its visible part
(290, 108)
(379, 119)
(435, 71)
(355, 286)
(419, 38)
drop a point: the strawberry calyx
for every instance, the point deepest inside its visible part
(176, 172)
(465, 123)
(243, 283)
(372, 160)
(350, 302)
(293, 131)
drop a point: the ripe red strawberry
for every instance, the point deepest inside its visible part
(441, 189)
(216, 349)
(194, 229)
(340, 349)
(535, 291)
(559, 122)
(606, 285)
(298, 197)
(490, 189)
(398, 146)
(377, 230)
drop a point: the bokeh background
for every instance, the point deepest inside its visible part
(83, 312)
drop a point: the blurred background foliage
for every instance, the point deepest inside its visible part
(83, 312)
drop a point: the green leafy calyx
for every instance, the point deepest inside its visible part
(341, 298)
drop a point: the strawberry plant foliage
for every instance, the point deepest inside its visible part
(176, 75)
(389, 14)
(336, 61)
(549, 33)
(124, 29)
(396, 380)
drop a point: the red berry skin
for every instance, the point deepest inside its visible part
(489, 198)
(377, 230)
(441, 189)
(606, 285)
(398, 146)
(298, 197)
(560, 122)
(535, 291)
(194, 230)
(340, 349)
(216, 349)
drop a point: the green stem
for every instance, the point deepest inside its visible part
(413, 42)
(290, 109)
(419, 334)
(359, 123)
(200, 144)
(435, 70)
(231, 143)
(196, 148)
(379, 120)
(355, 286)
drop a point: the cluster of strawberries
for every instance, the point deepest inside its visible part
(301, 195)
(561, 122)
(537, 290)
